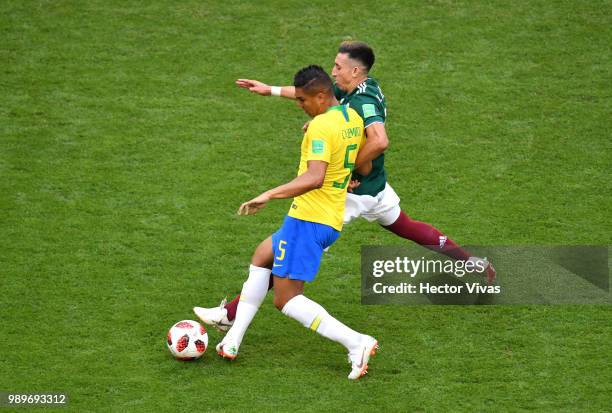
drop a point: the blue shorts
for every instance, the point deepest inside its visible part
(298, 246)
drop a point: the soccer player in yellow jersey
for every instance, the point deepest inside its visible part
(293, 254)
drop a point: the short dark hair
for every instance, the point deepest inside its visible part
(313, 79)
(359, 51)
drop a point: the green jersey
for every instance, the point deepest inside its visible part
(369, 102)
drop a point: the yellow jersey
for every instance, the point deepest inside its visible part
(333, 137)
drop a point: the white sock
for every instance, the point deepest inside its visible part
(313, 316)
(254, 291)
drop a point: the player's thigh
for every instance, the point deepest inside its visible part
(387, 209)
(298, 248)
(387, 216)
(358, 205)
(285, 289)
(352, 208)
(263, 255)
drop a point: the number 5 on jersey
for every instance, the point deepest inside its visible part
(348, 165)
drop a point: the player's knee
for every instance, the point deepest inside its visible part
(263, 256)
(262, 263)
(262, 259)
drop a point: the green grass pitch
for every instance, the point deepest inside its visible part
(126, 149)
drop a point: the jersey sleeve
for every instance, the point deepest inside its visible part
(318, 139)
(369, 108)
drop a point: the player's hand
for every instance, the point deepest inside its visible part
(305, 127)
(254, 205)
(254, 86)
(353, 184)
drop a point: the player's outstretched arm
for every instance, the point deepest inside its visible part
(376, 143)
(255, 86)
(313, 178)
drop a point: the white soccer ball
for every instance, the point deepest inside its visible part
(187, 340)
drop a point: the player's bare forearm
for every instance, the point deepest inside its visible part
(263, 89)
(288, 92)
(366, 155)
(298, 186)
(375, 144)
(313, 178)
(365, 168)
(306, 182)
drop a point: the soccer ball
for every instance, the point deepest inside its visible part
(187, 340)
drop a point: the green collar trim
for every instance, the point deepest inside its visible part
(337, 107)
(341, 108)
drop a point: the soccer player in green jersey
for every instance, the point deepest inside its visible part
(372, 197)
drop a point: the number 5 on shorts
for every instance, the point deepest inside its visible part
(281, 256)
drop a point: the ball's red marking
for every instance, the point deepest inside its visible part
(184, 324)
(182, 343)
(202, 330)
(200, 346)
(169, 339)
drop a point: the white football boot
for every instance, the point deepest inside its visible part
(227, 349)
(360, 356)
(488, 268)
(216, 316)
